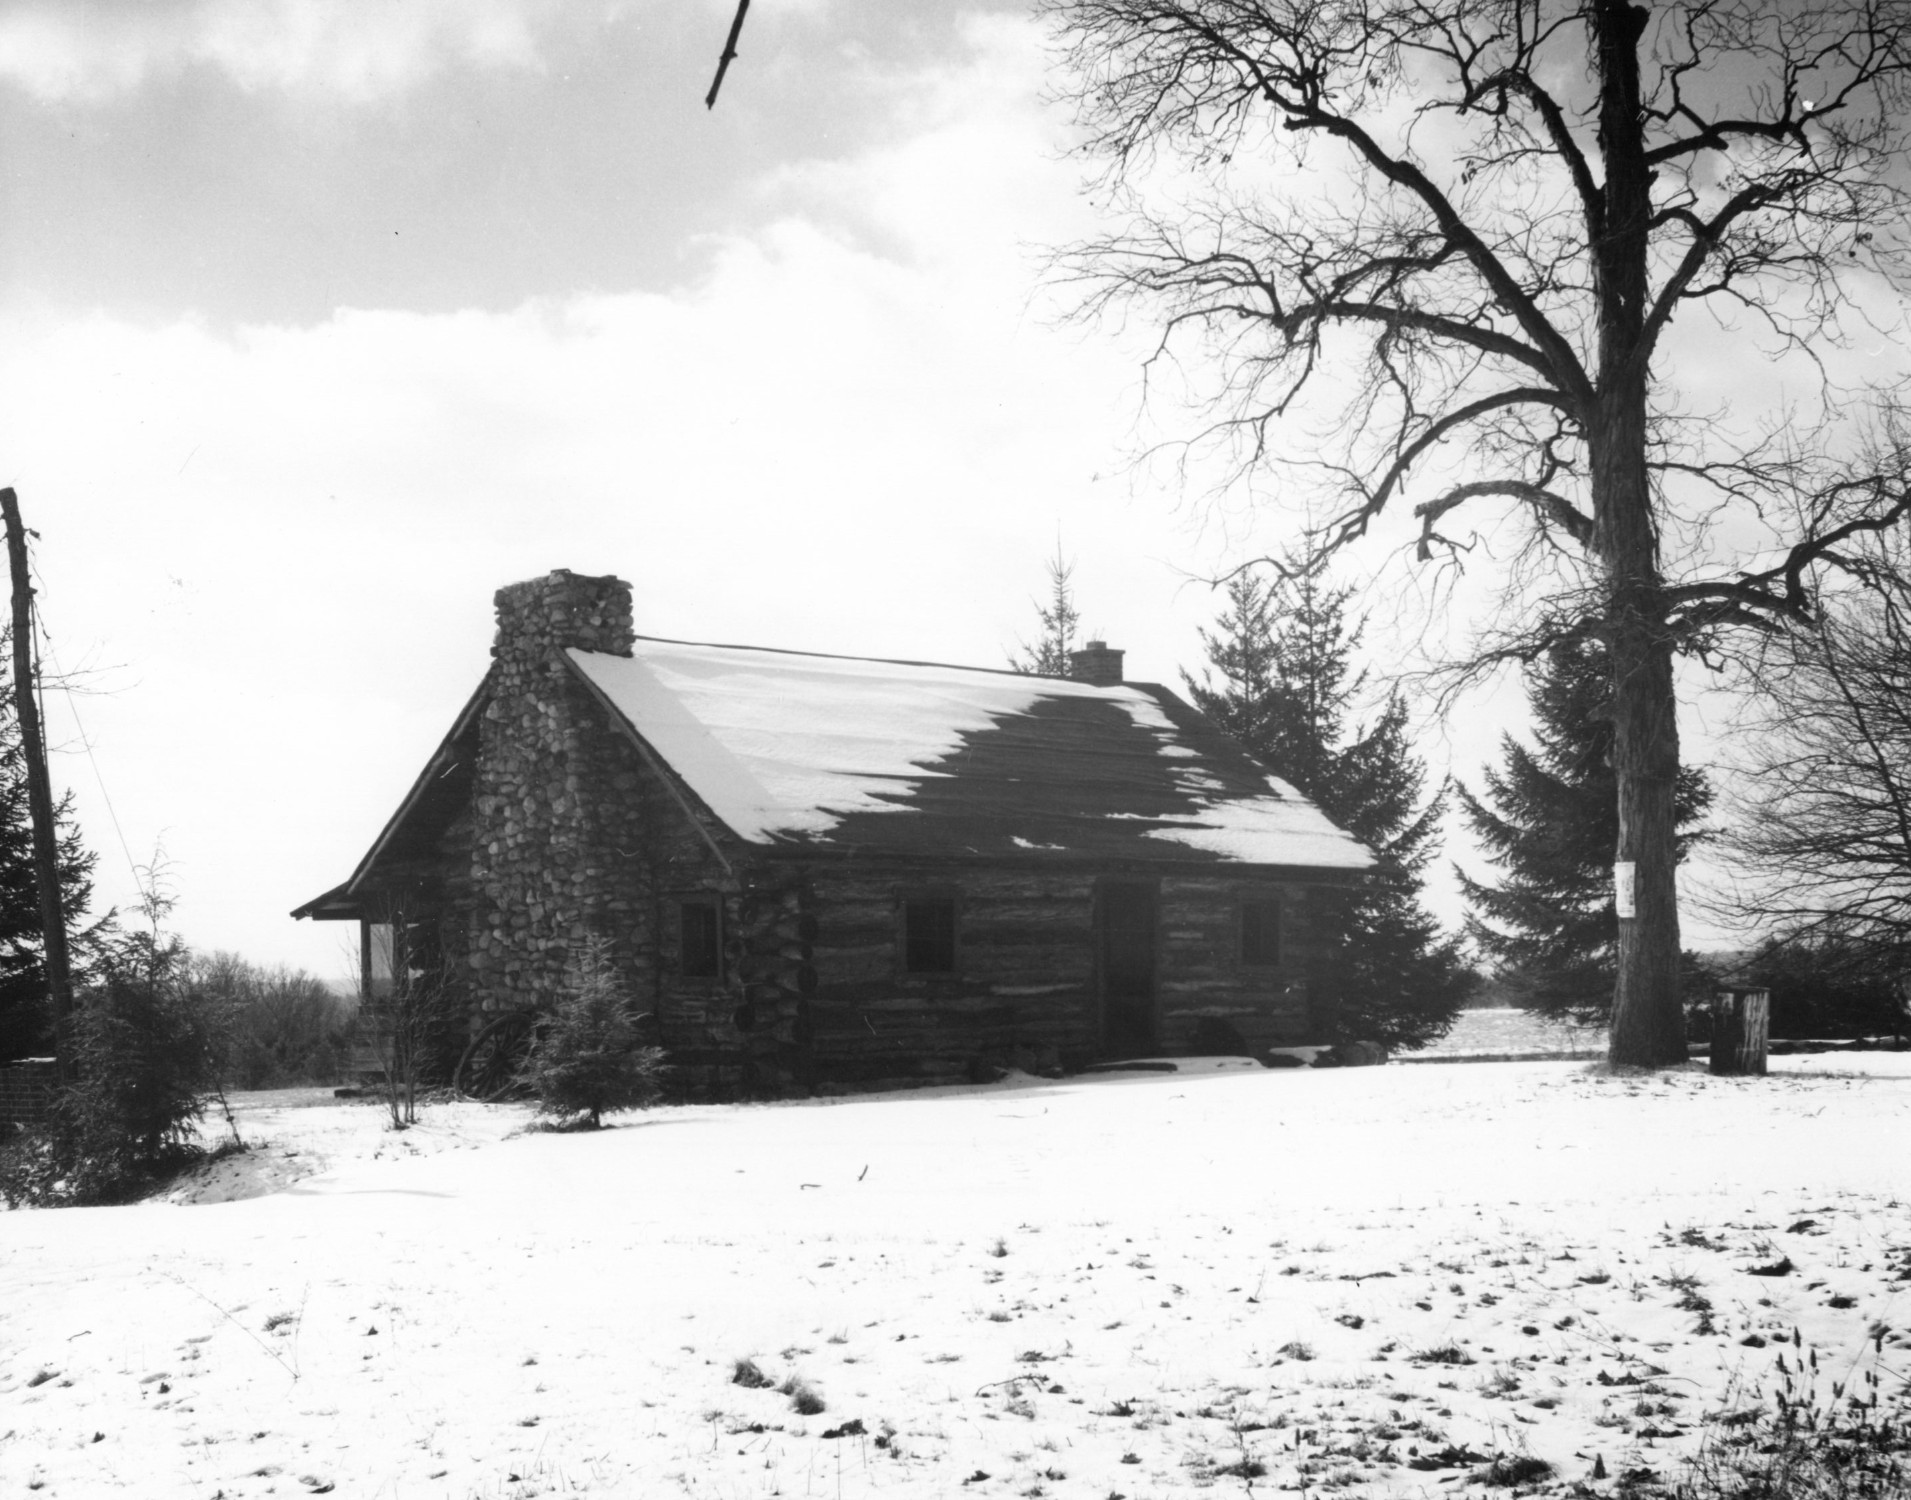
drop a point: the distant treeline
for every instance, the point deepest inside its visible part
(282, 1026)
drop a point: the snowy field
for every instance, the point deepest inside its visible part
(1225, 1279)
(1504, 1030)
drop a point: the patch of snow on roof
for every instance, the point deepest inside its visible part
(780, 743)
(784, 744)
(1246, 830)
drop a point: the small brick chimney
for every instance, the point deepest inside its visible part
(1095, 663)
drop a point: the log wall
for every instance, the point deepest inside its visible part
(1024, 989)
(1202, 978)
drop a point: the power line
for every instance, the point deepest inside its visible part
(72, 707)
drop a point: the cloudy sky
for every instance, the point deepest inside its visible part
(324, 318)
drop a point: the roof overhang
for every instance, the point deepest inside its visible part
(336, 905)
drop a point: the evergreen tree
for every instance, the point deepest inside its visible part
(1241, 650)
(26, 1027)
(1284, 655)
(1049, 656)
(591, 1063)
(1549, 818)
(147, 1050)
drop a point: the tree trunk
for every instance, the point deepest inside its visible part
(1648, 1013)
(1648, 1020)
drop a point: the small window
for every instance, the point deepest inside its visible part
(1261, 933)
(376, 959)
(700, 946)
(928, 935)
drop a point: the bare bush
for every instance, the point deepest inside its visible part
(283, 1026)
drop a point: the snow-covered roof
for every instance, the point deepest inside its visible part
(905, 757)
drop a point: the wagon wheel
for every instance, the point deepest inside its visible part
(493, 1065)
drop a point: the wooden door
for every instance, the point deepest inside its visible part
(1126, 919)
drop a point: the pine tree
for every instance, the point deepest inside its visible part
(1403, 981)
(26, 1026)
(1549, 818)
(591, 1063)
(1287, 688)
(1049, 656)
(1241, 650)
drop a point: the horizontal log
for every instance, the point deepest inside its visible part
(769, 947)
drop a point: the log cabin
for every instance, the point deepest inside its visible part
(822, 871)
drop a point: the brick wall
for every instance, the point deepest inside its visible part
(26, 1088)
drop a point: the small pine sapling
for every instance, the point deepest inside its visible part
(590, 1064)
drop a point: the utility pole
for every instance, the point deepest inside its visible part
(46, 855)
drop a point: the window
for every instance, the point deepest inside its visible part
(375, 959)
(928, 935)
(699, 944)
(1261, 932)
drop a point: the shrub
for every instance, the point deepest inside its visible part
(805, 1400)
(144, 1051)
(1824, 986)
(589, 1063)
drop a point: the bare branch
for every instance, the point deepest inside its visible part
(1554, 507)
(729, 54)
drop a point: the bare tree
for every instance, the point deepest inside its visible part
(1505, 205)
(281, 1026)
(1823, 833)
(410, 1014)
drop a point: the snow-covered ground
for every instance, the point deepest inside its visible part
(1501, 1031)
(1223, 1278)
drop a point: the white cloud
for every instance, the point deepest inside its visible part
(848, 432)
(855, 429)
(286, 541)
(354, 49)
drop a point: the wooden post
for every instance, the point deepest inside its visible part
(46, 855)
(1741, 1022)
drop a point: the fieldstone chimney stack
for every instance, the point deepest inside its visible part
(1095, 663)
(562, 609)
(546, 876)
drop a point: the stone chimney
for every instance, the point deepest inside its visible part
(1095, 663)
(552, 795)
(561, 609)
